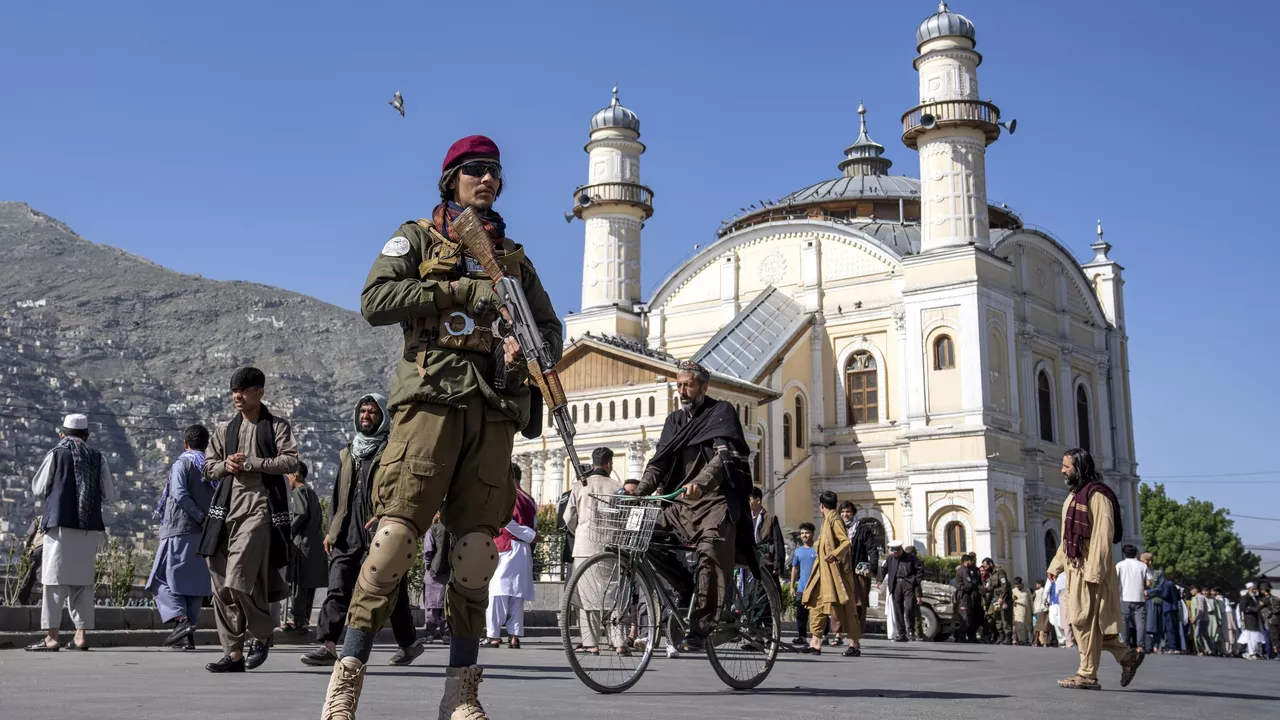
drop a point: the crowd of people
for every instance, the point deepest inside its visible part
(239, 523)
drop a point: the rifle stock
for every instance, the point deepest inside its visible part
(519, 323)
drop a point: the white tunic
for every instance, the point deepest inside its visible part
(69, 552)
(514, 575)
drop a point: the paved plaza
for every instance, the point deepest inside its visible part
(916, 680)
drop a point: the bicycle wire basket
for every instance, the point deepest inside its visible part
(624, 522)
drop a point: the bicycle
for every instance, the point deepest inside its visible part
(618, 597)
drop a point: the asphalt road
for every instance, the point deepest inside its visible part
(915, 680)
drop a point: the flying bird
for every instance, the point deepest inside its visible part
(397, 102)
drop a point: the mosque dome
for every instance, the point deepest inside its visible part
(615, 116)
(945, 23)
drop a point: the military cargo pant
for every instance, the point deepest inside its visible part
(455, 460)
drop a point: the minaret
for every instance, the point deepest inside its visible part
(613, 205)
(951, 128)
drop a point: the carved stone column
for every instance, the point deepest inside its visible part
(635, 459)
(537, 470)
(554, 480)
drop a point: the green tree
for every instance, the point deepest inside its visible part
(1194, 540)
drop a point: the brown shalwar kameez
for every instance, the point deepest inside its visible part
(244, 583)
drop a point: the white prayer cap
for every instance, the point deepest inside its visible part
(895, 544)
(1248, 586)
(75, 421)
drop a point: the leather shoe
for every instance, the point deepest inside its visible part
(692, 644)
(255, 655)
(182, 631)
(225, 665)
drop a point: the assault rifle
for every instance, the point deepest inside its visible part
(517, 321)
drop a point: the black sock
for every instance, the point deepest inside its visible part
(357, 645)
(463, 651)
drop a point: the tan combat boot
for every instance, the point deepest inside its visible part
(460, 701)
(344, 690)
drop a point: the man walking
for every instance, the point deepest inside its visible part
(1134, 577)
(802, 561)
(865, 559)
(179, 576)
(1091, 524)
(347, 539)
(246, 534)
(827, 592)
(309, 568)
(75, 483)
(579, 518)
(459, 396)
(901, 573)
(1021, 614)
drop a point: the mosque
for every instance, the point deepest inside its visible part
(897, 340)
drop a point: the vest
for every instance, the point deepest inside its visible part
(445, 262)
(61, 508)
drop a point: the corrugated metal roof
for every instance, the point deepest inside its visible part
(875, 187)
(744, 347)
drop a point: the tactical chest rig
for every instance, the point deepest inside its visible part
(458, 329)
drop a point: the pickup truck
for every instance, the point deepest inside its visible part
(936, 610)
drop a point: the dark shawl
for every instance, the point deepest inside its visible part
(277, 495)
(1079, 523)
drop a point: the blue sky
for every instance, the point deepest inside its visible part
(253, 141)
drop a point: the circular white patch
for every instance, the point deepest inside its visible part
(396, 247)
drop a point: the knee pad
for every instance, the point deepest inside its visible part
(474, 558)
(390, 556)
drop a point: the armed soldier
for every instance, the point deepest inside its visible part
(999, 594)
(458, 397)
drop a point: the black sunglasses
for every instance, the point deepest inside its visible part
(480, 168)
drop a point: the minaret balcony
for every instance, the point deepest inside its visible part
(948, 114)
(637, 196)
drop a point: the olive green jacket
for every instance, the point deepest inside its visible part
(395, 293)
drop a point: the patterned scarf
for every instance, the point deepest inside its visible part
(197, 458)
(364, 446)
(525, 513)
(1079, 523)
(445, 213)
(88, 470)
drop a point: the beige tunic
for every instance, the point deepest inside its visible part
(248, 521)
(1097, 570)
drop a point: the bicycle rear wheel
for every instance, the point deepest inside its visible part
(744, 644)
(608, 604)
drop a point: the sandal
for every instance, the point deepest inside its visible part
(583, 650)
(1076, 682)
(513, 642)
(42, 647)
(490, 643)
(809, 650)
(80, 647)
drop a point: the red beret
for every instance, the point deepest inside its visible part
(467, 147)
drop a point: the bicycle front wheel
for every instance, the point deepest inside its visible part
(744, 644)
(608, 606)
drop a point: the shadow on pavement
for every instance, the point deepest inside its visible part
(1207, 694)
(841, 693)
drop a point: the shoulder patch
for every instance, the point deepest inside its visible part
(396, 247)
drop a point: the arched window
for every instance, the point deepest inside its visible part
(1050, 545)
(862, 396)
(626, 408)
(586, 412)
(652, 406)
(1082, 418)
(612, 408)
(801, 421)
(1044, 402)
(746, 412)
(599, 412)
(786, 435)
(757, 471)
(944, 353)
(638, 408)
(956, 539)
(574, 412)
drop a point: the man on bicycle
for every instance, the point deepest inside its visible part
(702, 449)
